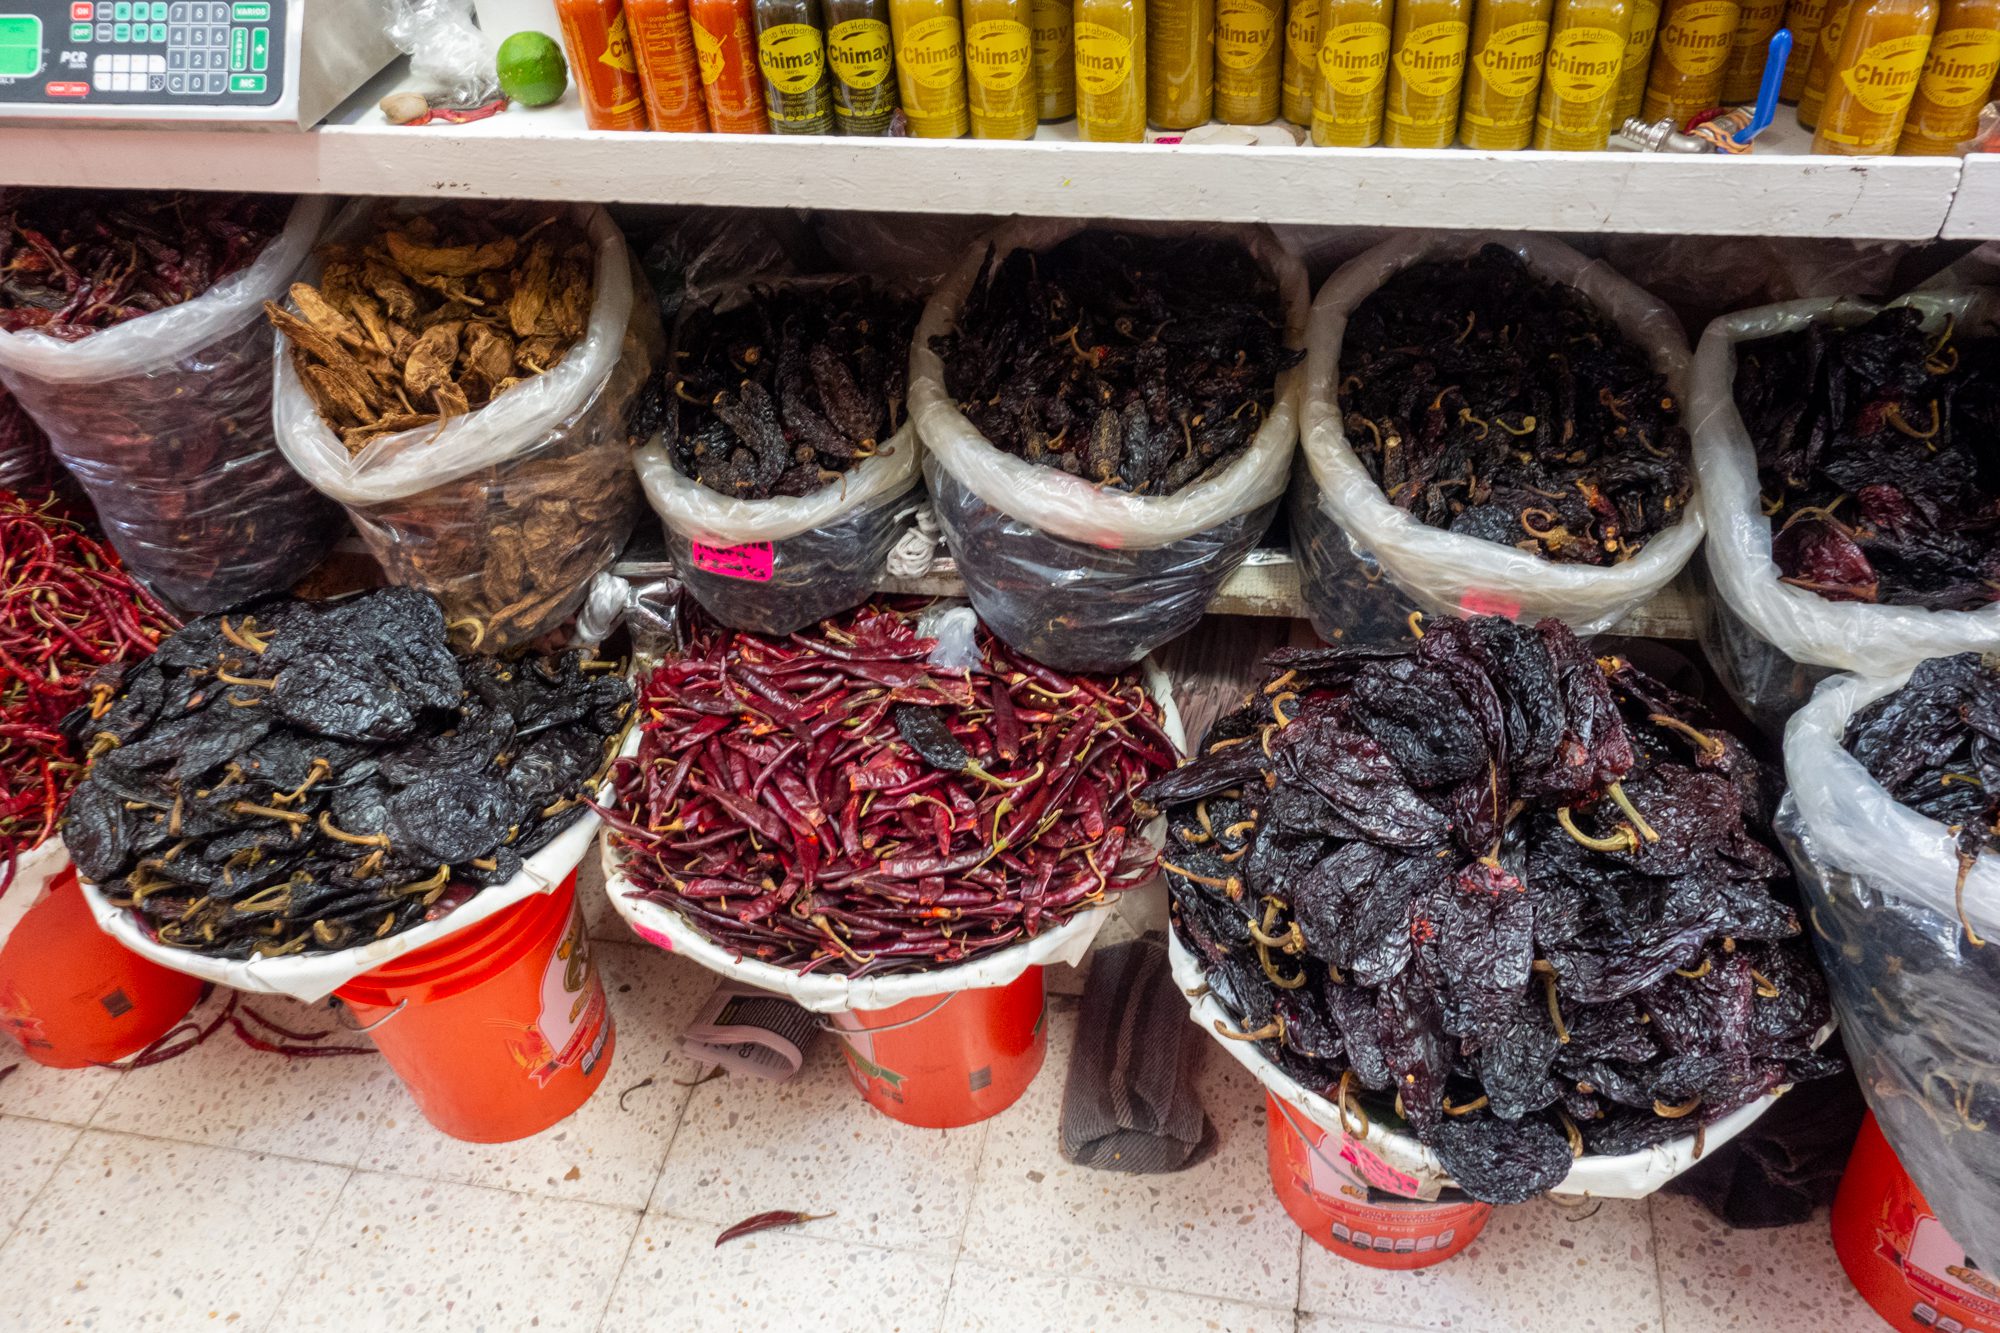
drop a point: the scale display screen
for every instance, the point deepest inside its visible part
(125, 53)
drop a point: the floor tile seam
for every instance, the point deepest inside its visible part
(618, 1276)
(1659, 1268)
(307, 1251)
(533, 1196)
(218, 1147)
(14, 1229)
(1152, 1287)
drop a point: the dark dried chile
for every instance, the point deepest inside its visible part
(1874, 447)
(1524, 894)
(832, 801)
(782, 394)
(1489, 402)
(1139, 363)
(240, 812)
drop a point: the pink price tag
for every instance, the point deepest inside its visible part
(1477, 603)
(751, 561)
(653, 937)
(1378, 1172)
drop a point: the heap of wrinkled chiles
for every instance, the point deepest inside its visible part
(1523, 895)
(301, 776)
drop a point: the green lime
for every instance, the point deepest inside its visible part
(531, 69)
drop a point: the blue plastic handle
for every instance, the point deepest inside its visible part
(1767, 94)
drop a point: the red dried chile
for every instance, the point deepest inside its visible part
(1526, 894)
(73, 261)
(834, 802)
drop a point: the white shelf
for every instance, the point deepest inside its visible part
(1975, 213)
(547, 154)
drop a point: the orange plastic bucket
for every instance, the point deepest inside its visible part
(74, 996)
(499, 1030)
(1897, 1254)
(1357, 1205)
(942, 1061)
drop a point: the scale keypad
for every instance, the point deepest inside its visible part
(188, 48)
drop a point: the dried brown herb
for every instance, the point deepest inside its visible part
(437, 314)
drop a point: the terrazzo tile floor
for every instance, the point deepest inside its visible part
(234, 1190)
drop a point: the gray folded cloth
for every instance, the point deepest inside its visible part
(1130, 1104)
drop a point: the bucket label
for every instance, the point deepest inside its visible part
(21, 1022)
(572, 1026)
(859, 1045)
(1936, 1267)
(752, 561)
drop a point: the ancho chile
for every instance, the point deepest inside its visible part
(1875, 461)
(831, 801)
(1139, 363)
(306, 776)
(1487, 401)
(783, 393)
(1522, 895)
(67, 610)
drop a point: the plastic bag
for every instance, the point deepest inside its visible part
(166, 420)
(899, 247)
(503, 513)
(1702, 280)
(1916, 999)
(449, 55)
(778, 565)
(1082, 578)
(25, 462)
(1760, 632)
(1365, 564)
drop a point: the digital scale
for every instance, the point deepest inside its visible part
(251, 63)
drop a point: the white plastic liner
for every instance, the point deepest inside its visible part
(830, 994)
(1862, 856)
(33, 869)
(1762, 627)
(313, 977)
(1349, 533)
(1627, 1176)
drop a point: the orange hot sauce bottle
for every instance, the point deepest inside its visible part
(600, 60)
(732, 87)
(663, 38)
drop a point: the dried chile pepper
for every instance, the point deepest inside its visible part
(832, 801)
(303, 777)
(1487, 401)
(73, 262)
(70, 619)
(781, 394)
(1139, 363)
(1522, 894)
(1872, 444)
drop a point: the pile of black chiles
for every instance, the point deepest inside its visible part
(299, 777)
(1522, 898)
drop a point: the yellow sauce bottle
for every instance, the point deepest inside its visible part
(1426, 68)
(1110, 37)
(1688, 56)
(1301, 68)
(1580, 82)
(1055, 58)
(1504, 70)
(1804, 18)
(859, 55)
(930, 67)
(1881, 59)
(1638, 61)
(1743, 74)
(1826, 53)
(1000, 69)
(1249, 60)
(1180, 62)
(1964, 59)
(1351, 87)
